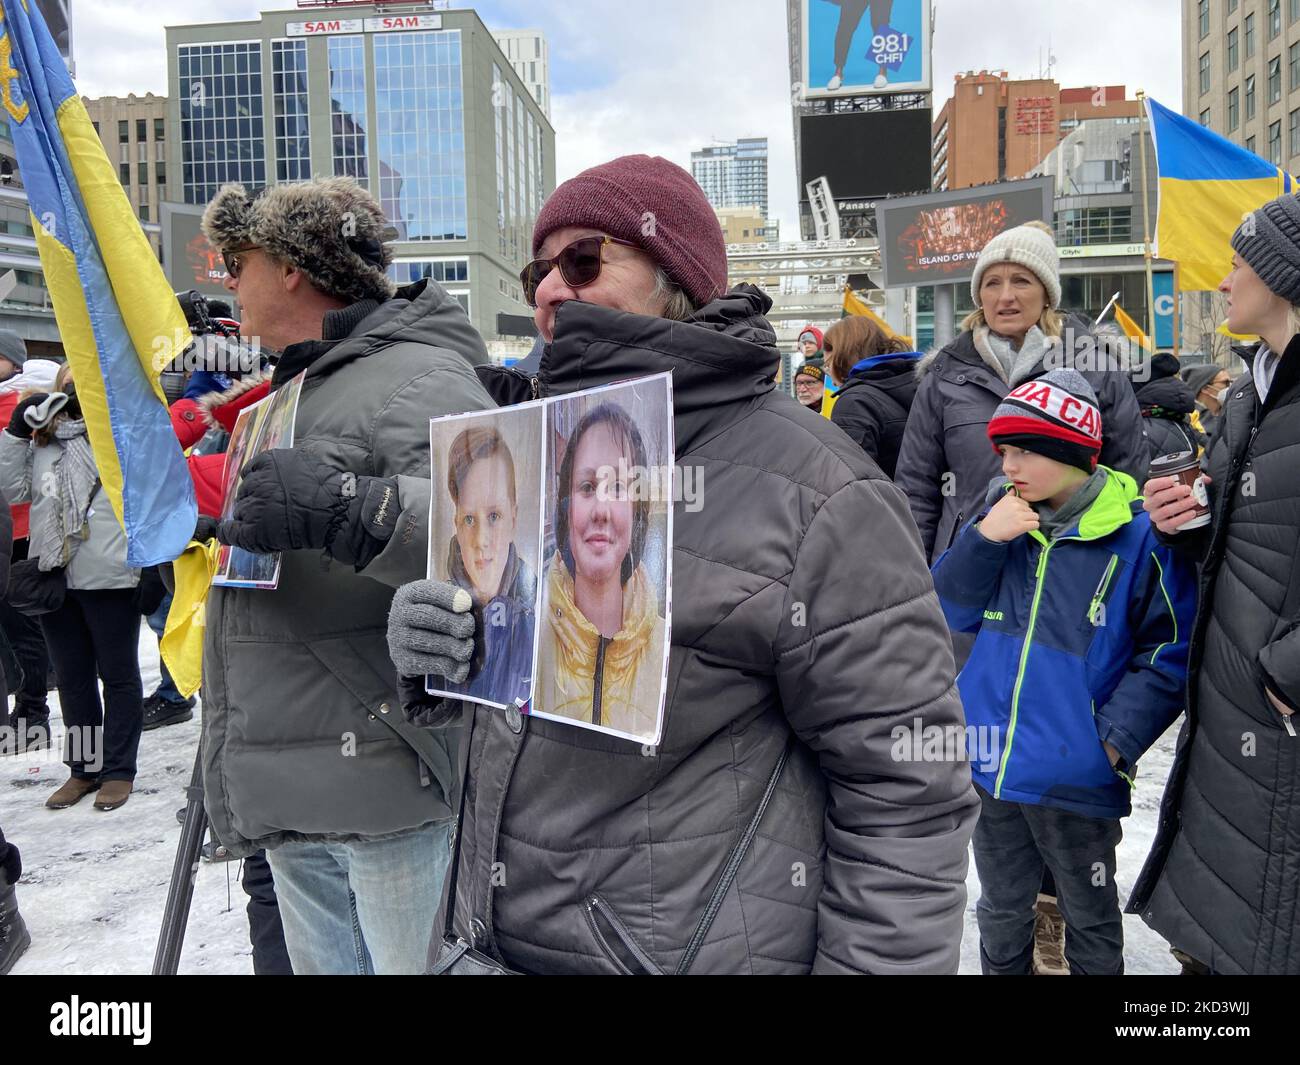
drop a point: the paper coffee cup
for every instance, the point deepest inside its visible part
(1186, 467)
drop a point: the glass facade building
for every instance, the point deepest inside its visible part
(733, 175)
(292, 117)
(420, 134)
(347, 60)
(221, 136)
(423, 109)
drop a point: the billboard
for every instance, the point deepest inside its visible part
(935, 239)
(863, 47)
(189, 261)
(867, 154)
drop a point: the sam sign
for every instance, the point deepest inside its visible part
(385, 24)
(865, 47)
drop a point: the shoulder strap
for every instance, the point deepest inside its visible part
(732, 866)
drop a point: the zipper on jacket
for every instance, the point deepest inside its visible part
(598, 680)
(956, 528)
(617, 942)
(1286, 724)
(1099, 596)
(1020, 675)
(536, 386)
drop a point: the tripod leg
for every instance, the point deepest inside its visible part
(167, 957)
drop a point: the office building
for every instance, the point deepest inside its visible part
(425, 110)
(528, 53)
(995, 129)
(733, 174)
(1241, 73)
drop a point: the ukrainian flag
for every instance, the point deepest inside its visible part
(118, 318)
(1207, 186)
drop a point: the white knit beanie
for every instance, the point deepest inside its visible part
(1031, 247)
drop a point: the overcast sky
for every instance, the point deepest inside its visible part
(670, 76)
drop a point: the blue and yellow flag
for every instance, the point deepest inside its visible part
(118, 318)
(1207, 186)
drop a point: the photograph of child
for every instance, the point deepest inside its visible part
(603, 644)
(266, 425)
(485, 536)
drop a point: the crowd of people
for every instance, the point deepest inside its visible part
(944, 607)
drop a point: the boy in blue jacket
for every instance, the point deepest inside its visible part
(1080, 663)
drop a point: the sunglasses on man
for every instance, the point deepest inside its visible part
(235, 260)
(580, 264)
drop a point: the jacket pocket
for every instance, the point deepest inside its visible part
(615, 941)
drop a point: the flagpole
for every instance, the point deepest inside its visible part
(1144, 132)
(1106, 310)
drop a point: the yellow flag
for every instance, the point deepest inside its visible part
(854, 307)
(182, 641)
(1224, 331)
(1130, 327)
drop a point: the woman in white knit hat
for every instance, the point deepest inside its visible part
(945, 465)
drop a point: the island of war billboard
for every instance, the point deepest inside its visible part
(937, 238)
(852, 47)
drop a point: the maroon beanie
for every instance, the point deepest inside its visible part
(654, 204)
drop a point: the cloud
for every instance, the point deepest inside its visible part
(670, 76)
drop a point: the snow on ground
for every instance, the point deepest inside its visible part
(95, 883)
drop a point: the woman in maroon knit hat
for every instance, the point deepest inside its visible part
(789, 675)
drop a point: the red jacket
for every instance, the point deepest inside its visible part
(20, 511)
(192, 418)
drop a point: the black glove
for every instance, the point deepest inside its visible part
(18, 424)
(289, 500)
(204, 529)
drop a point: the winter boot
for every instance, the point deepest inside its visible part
(29, 731)
(72, 792)
(112, 794)
(14, 937)
(159, 712)
(1049, 939)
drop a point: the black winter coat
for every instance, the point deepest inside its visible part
(946, 461)
(1166, 406)
(873, 405)
(1222, 882)
(583, 853)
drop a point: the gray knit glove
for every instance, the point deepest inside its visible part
(431, 630)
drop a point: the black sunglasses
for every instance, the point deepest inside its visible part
(234, 260)
(580, 264)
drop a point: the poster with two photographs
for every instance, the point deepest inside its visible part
(265, 425)
(556, 517)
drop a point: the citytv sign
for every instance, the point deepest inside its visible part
(320, 27)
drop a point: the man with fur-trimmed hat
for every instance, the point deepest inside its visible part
(305, 750)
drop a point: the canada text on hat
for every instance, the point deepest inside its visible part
(1048, 410)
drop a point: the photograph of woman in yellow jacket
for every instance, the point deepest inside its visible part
(602, 646)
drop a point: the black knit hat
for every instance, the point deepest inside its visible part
(1269, 241)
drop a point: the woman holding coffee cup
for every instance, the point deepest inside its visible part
(1219, 883)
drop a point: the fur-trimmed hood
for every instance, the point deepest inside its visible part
(331, 229)
(220, 410)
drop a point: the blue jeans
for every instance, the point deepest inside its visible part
(361, 908)
(157, 621)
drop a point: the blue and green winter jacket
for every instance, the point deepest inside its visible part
(1081, 640)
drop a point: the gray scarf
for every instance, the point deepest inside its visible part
(1051, 523)
(76, 480)
(1011, 365)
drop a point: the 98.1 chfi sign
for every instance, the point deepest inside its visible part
(864, 47)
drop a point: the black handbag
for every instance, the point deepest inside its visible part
(457, 957)
(33, 591)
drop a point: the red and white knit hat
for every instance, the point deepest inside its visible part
(1056, 415)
